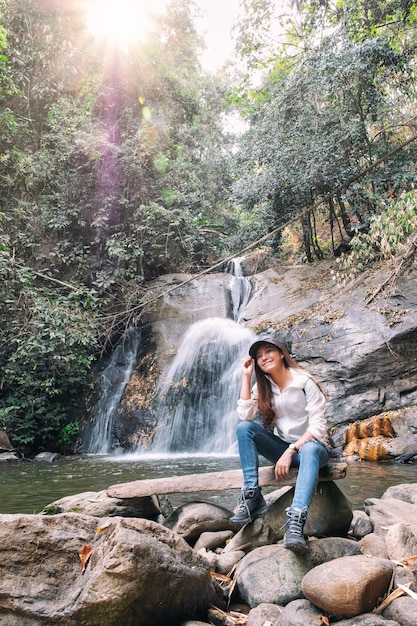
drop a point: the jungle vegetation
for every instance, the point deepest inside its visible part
(119, 166)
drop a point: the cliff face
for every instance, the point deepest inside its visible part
(359, 340)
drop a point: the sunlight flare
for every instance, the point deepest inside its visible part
(121, 22)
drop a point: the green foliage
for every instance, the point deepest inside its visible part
(318, 126)
(390, 234)
(47, 347)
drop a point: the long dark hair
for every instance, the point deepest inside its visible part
(266, 412)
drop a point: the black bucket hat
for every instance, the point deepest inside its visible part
(260, 340)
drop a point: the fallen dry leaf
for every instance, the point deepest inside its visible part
(409, 592)
(85, 554)
(409, 561)
(392, 596)
(325, 620)
(101, 528)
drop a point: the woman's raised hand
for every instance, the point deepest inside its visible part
(247, 366)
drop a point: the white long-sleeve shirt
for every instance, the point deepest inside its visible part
(300, 407)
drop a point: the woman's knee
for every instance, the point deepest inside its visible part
(245, 427)
(313, 450)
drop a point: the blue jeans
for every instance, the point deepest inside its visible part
(254, 439)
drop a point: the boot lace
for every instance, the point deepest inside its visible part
(295, 521)
(242, 506)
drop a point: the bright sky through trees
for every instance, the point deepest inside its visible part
(125, 21)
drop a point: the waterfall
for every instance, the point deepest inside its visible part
(240, 288)
(198, 394)
(112, 383)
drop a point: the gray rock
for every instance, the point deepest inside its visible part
(367, 619)
(374, 545)
(264, 613)
(360, 525)
(7, 457)
(401, 542)
(192, 519)
(300, 613)
(347, 345)
(5, 445)
(99, 504)
(406, 493)
(406, 577)
(139, 572)
(402, 448)
(47, 457)
(227, 560)
(385, 512)
(403, 610)
(348, 586)
(212, 540)
(251, 536)
(210, 557)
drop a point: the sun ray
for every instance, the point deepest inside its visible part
(121, 22)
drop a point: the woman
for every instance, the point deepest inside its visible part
(291, 431)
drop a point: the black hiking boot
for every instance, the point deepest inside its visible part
(250, 506)
(294, 525)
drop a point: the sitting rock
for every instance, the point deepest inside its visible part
(348, 586)
(329, 515)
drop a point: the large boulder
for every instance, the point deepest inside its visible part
(76, 570)
(99, 504)
(385, 512)
(348, 586)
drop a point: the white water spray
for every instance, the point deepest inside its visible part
(198, 394)
(112, 383)
(240, 288)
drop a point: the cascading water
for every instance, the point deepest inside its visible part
(112, 383)
(197, 397)
(240, 288)
(198, 394)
